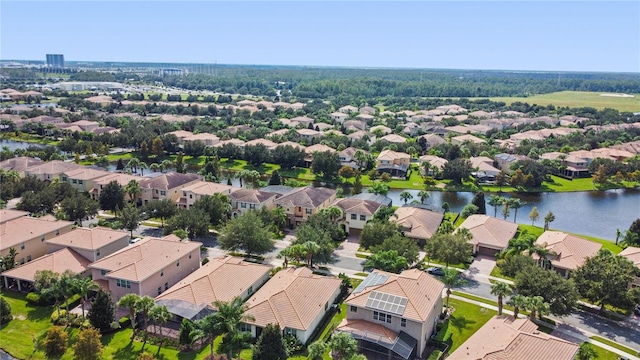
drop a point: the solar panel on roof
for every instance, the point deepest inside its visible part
(373, 279)
(386, 302)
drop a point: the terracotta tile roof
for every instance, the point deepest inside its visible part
(85, 173)
(308, 132)
(220, 279)
(268, 143)
(357, 206)
(201, 137)
(418, 223)
(168, 181)
(503, 338)
(15, 231)
(58, 262)
(421, 290)
(392, 155)
(490, 231)
(121, 178)
(434, 161)
(393, 138)
(251, 196)
(318, 148)
(571, 250)
(89, 239)
(145, 258)
(181, 134)
(292, 298)
(467, 137)
(633, 254)
(292, 144)
(307, 197)
(54, 167)
(19, 164)
(368, 329)
(236, 142)
(208, 188)
(10, 214)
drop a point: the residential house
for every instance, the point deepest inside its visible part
(436, 164)
(480, 114)
(196, 190)
(268, 143)
(366, 118)
(146, 268)
(27, 235)
(459, 140)
(310, 150)
(322, 126)
(165, 186)
(205, 138)
(633, 254)
(50, 170)
(347, 157)
(505, 337)
(394, 314)
(19, 164)
(416, 223)
(221, 279)
(23, 276)
(394, 138)
(84, 125)
(348, 109)
(338, 117)
(82, 179)
(566, 252)
(504, 161)
(295, 299)
(11, 214)
(484, 169)
(303, 121)
(181, 135)
(383, 130)
(243, 200)
(430, 140)
(355, 125)
(236, 142)
(361, 134)
(377, 198)
(121, 179)
(92, 243)
(369, 110)
(572, 166)
(355, 213)
(309, 134)
(301, 203)
(490, 235)
(394, 163)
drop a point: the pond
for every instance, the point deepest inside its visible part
(14, 145)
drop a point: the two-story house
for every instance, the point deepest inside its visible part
(348, 157)
(121, 178)
(19, 164)
(504, 161)
(165, 186)
(220, 279)
(295, 299)
(243, 200)
(572, 166)
(355, 213)
(50, 170)
(148, 267)
(436, 164)
(82, 179)
(205, 138)
(92, 243)
(394, 313)
(27, 235)
(194, 192)
(301, 203)
(394, 163)
(309, 134)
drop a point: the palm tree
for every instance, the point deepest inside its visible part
(518, 302)
(207, 328)
(167, 164)
(160, 316)
(228, 318)
(505, 208)
(85, 285)
(311, 248)
(142, 166)
(133, 164)
(54, 291)
(155, 167)
(501, 289)
(67, 284)
(548, 219)
(129, 302)
(423, 195)
(132, 189)
(144, 306)
(586, 352)
(295, 251)
(406, 196)
(537, 306)
(516, 204)
(334, 212)
(451, 278)
(495, 201)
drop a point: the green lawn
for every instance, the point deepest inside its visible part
(464, 322)
(615, 345)
(603, 354)
(579, 99)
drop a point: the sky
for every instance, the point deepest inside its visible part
(493, 35)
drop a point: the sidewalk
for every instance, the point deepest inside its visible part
(560, 327)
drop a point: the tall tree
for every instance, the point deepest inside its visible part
(84, 286)
(143, 307)
(112, 197)
(130, 217)
(548, 219)
(450, 248)
(102, 312)
(78, 207)
(374, 233)
(187, 333)
(194, 221)
(604, 280)
(518, 302)
(495, 201)
(501, 289)
(406, 247)
(586, 352)
(132, 189)
(129, 302)
(162, 209)
(228, 318)
(457, 170)
(537, 306)
(388, 261)
(405, 196)
(478, 200)
(275, 178)
(55, 343)
(325, 164)
(88, 345)
(451, 279)
(246, 232)
(217, 206)
(534, 215)
(270, 345)
(423, 195)
(559, 292)
(343, 346)
(160, 315)
(515, 204)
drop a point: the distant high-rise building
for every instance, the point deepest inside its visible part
(55, 60)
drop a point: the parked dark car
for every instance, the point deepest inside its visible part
(437, 271)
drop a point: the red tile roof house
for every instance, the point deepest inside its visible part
(82, 179)
(416, 223)
(504, 337)
(566, 252)
(165, 186)
(293, 298)
(93, 244)
(395, 313)
(50, 170)
(243, 200)
(355, 213)
(148, 267)
(220, 279)
(490, 235)
(633, 255)
(301, 203)
(121, 178)
(27, 235)
(19, 164)
(394, 163)
(194, 192)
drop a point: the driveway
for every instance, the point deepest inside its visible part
(480, 269)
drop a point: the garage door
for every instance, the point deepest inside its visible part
(487, 251)
(355, 232)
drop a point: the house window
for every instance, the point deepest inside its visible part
(166, 286)
(326, 306)
(354, 216)
(363, 217)
(80, 182)
(64, 178)
(178, 263)
(308, 211)
(98, 252)
(403, 322)
(382, 317)
(250, 290)
(162, 272)
(190, 196)
(41, 238)
(22, 244)
(289, 331)
(163, 193)
(252, 206)
(103, 272)
(159, 290)
(123, 283)
(353, 309)
(21, 261)
(243, 205)
(244, 327)
(28, 258)
(189, 256)
(74, 181)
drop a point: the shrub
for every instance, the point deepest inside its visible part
(34, 299)
(146, 356)
(292, 344)
(5, 311)
(205, 260)
(512, 265)
(215, 357)
(55, 344)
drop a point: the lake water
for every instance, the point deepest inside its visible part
(13, 145)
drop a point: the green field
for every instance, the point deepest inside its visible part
(579, 99)
(465, 321)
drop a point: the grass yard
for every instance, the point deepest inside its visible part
(464, 322)
(579, 99)
(603, 354)
(414, 182)
(615, 345)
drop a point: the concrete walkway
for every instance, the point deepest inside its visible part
(562, 330)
